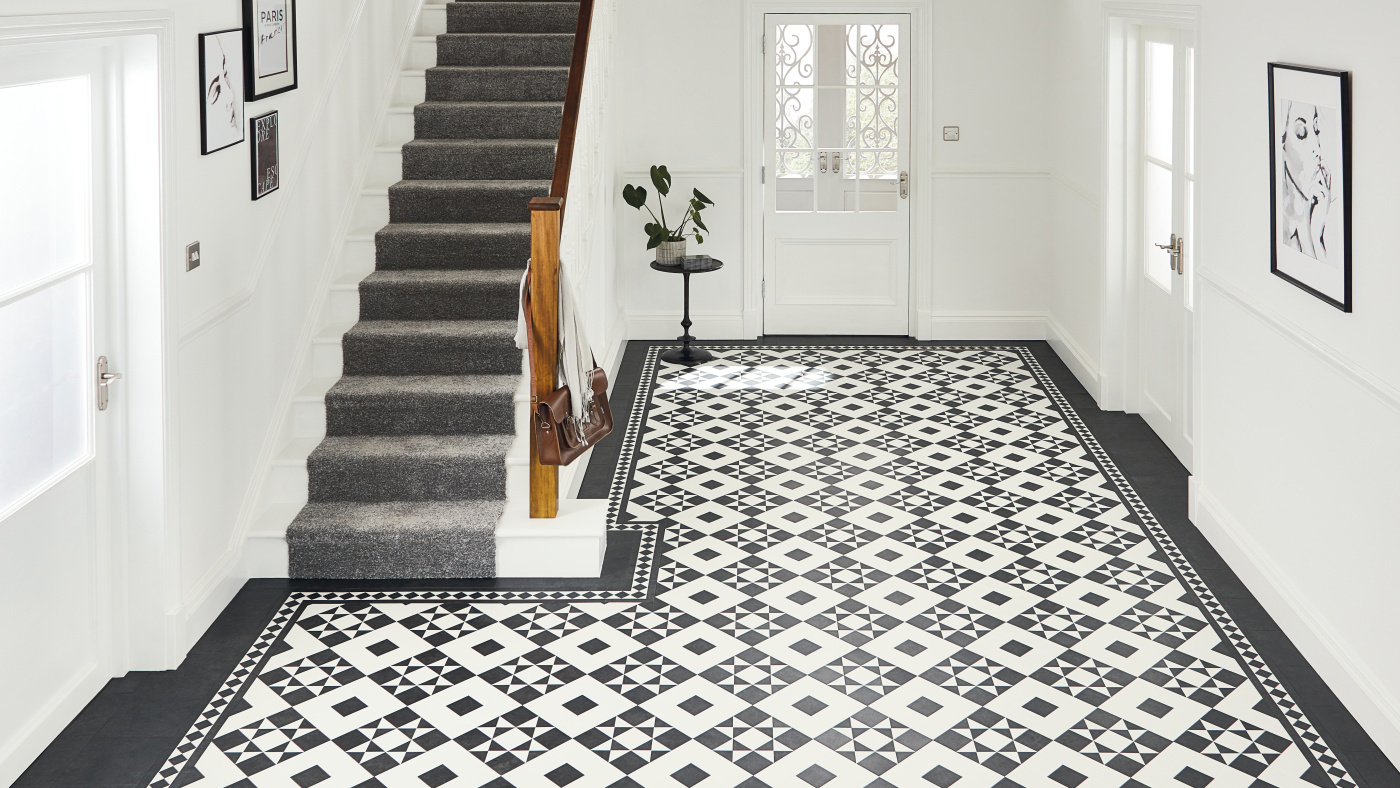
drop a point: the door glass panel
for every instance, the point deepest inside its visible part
(1157, 224)
(872, 115)
(46, 171)
(796, 117)
(45, 230)
(43, 391)
(1159, 100)
(1190, 112)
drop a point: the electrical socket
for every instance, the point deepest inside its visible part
(192, 256)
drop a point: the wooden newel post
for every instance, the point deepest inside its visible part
(545, 225)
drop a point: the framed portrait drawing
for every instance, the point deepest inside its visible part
(221, 89)
(1310, 169)
(269, 47)
(267, 176)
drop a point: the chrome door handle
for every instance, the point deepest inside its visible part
(904, 185)
(836, 162)
(821, 157)
(104, 379)
(1176, 248)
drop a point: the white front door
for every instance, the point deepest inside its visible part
(1167, 171)
(836, 213)
(55, 588)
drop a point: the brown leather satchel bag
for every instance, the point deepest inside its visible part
(559, 439)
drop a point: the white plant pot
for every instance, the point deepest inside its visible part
(670, 252)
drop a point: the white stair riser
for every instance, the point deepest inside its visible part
(308, 417)
(371, 212)
(358, 261)
(398, 128)
(423, 53)
(385, 169)
(287, 483)
(433, 20)
(327, 359)
(344, 307)
(411, 90)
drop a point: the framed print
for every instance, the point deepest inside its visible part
(266, 176)
(1310, 176)
(269, 47)
(221, 86)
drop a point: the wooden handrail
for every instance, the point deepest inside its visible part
(546, 224)
(573, 100)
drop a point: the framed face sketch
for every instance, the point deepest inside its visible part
(269, 47)
(221, 86)
(1310, 158)
(267, 175)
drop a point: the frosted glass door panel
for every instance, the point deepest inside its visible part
(45, 224)
(44, 394)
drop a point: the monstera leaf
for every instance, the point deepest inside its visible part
(661, 179)
(702, 198)
(635, 196)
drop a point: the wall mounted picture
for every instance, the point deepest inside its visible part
(266, 175)
(269, 47)
(1310, 158)
(221, 86)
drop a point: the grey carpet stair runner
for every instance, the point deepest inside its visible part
(410, 480)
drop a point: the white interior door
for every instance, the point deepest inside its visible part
(836, 213)
(55, 591)
(1168, 197)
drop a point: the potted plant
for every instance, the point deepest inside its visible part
(669, 243)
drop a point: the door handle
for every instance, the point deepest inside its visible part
(904, 185)
(821, 157)
(836, 162)
(1176, 248)
(104, 379)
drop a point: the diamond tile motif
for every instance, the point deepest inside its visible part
(863, 566)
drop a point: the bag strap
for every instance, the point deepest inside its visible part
(525, 305)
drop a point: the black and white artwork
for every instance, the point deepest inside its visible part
(266, 176)
(270, 47)
(221, 90)
(1310, 150)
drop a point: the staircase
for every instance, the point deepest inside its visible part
(410, 479)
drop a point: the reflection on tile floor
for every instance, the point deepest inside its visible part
(882, 566)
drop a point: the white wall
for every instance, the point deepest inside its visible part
(234, 326)
(1298, 403)
(681, 70)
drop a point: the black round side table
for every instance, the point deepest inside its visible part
(685, 354)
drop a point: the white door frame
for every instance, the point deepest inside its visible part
(1119, 346)
(142, 559)
(920, 93)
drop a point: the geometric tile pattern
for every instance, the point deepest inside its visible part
(871, 566)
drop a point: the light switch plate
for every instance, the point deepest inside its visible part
(192, 256)
(951, 133)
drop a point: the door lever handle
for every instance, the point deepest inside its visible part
(836, 162)
(821, 157)
(1176, 248)
(104, 379)
(904, 185)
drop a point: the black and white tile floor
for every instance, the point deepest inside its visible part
(878, 566)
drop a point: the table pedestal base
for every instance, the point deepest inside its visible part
(688, 356)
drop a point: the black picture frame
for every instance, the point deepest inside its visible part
(267, 174)
(1312, 262)
(260, 20)
(222, 92)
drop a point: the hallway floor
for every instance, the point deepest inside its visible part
(878, 565)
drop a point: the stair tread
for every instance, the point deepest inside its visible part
(484, 104)
(489, 142)
(354, 516)
(556, 69)
(410, 385)
(457, 228)
(444, 276)
(419, 447)
(506, 33)
(503, 185)
(428, 328)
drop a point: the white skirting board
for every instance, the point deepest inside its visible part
(1375, 709)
